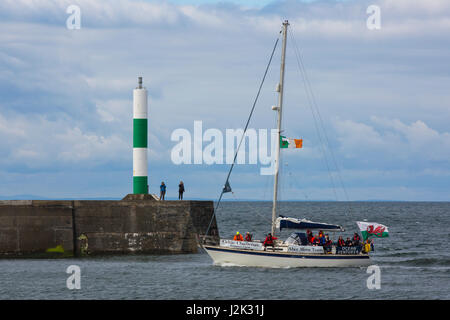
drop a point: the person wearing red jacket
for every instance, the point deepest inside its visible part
(341, 242)
(269, 241)
(310, 237)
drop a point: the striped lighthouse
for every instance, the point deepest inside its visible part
(140, 166)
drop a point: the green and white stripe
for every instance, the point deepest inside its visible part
(140, 129)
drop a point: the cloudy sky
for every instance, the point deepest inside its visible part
(383, 95)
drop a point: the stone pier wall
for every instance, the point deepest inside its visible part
(34, 228)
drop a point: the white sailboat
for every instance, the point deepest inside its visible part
(295, 251)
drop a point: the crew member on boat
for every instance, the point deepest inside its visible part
(269, 241)
(248, 237)
(356, 239)
(348, 242)
(321, 239)
(238, 237)
(328, 244)
(367, 246)
(341, 242)
(311, 238)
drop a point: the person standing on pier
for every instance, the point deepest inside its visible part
(162, 189)
(180, 190)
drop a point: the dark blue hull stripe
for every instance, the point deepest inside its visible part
(289, 255)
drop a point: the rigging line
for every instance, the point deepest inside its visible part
(325, 134)
(281, 186)
(323, 128)
(245, 130)
(316, 123)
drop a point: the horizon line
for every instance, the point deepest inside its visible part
(35, 197)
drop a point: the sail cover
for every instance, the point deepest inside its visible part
(294, 223)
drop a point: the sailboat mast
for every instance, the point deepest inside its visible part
(279, 110)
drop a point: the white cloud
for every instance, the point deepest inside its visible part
(66, 95)
(97, 149)
(117, 111)
(341, 19)
(40, 143)
(394, 139)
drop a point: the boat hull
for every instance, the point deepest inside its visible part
(270, 259)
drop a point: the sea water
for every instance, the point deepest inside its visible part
(414, 261)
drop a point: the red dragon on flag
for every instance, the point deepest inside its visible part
(372, 229)
(378, 231)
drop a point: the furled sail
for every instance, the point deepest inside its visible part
(294, 223)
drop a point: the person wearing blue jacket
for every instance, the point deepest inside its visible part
(162, 189)
(322, 240)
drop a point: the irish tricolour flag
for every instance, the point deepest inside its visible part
(372, 229)
(290, 143)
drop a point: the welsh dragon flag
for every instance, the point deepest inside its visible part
(290, 143)
(372, 229)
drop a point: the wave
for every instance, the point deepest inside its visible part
(402, 254)
(434, 269)
(424, 262)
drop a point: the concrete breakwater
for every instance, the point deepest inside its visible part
(135, 224)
